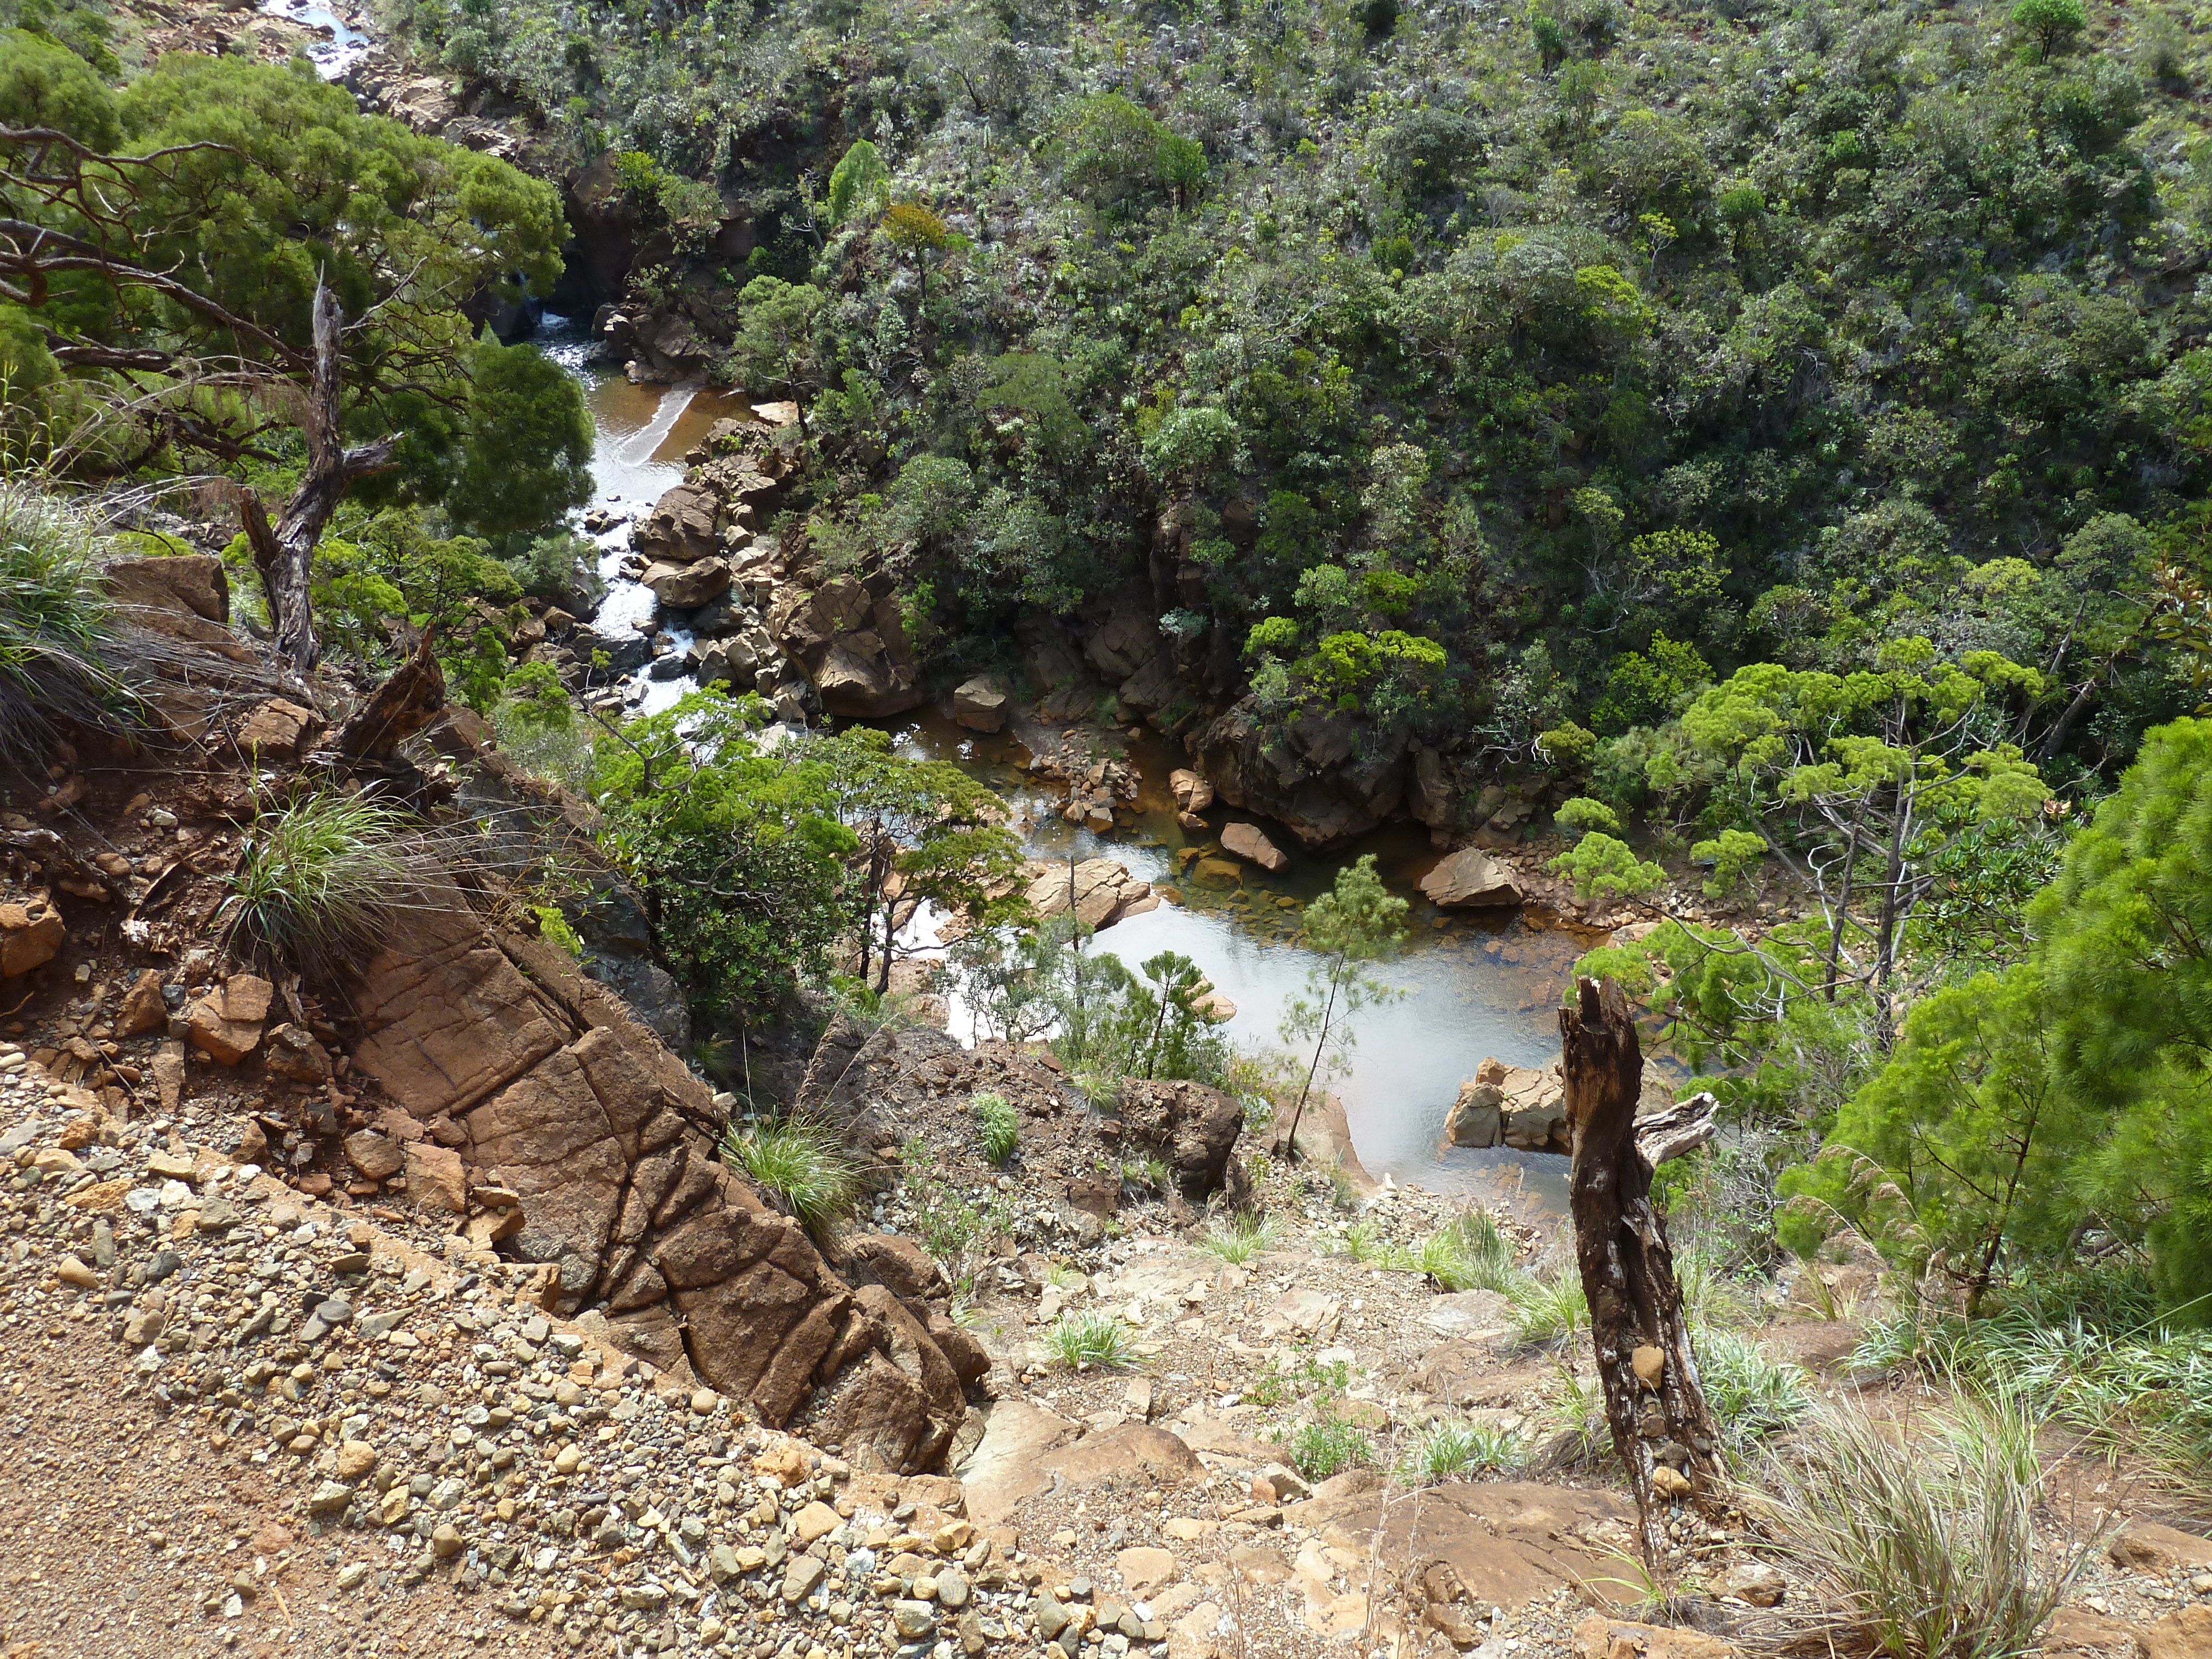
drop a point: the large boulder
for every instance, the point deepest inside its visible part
(1249, 842)
(1192, 1127)
(859, 677)
(681, 587)
(1319, 775)
(680, 529)
(1100, 891)
(980, 704)
(1470, 878)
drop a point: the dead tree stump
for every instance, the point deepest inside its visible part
(1645, 1362)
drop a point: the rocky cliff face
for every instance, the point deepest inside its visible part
(492, 1041)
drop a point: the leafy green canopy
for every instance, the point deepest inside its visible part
(245, 186)
(2072, 1091)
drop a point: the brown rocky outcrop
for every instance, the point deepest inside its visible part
(1318, 775)
(562, 1099)
(1192, 1127)
(185, 597)
(851, 641)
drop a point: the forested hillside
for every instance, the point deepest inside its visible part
(1470, 369)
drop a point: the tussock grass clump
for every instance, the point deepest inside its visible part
(2132, 1381)
(1469, 1255)
(1919, 1541)
(1148, 1173)
(58, 627)
(998, 1124)
(1240, 1238)
(1093, 1340)
(1548, 1309)
(1450, 1450)
(323, 880)
(1752, 1395)
(802, 1162)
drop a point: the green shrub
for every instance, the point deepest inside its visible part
(1582, 815)
(323, 880)
(998, 1124)
(1329, 1447)
(1094, 1340)
(1602, 867)
(803, 1162)
(1275, 1386)
(1922, 1543)
(1732, 854)
(56, 626)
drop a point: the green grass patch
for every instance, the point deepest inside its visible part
(323, 880)
(1241, 1237)
(1455, 1450)
(1329, 1446)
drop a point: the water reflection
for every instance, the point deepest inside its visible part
(1474, 985)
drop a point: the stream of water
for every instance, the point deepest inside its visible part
(1470, 986)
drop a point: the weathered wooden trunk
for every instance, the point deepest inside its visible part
(1653, 1400)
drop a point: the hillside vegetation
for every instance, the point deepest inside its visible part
(1468, 369)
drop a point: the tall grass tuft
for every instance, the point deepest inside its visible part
(57, 626)
(1244, 1237)
(802, 1161)
(1090, 1340)
(323, 880)
(1449, 1450)
(1920, 1542)
(1752, 1395)
(998, 1124)
(1548, 1309)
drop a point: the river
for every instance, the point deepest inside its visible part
(1471, 986)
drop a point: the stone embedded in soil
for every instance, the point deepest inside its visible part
(30, 935)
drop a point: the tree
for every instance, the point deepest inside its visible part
(206, 234)
(857, 180)
(1357, 923)
(915, 231)
(531, 459)
(921, 831)
(773, 346)
(2052, 23)
(2124, 942)
(1942, 1157)
(737, 850)
(1857, 782)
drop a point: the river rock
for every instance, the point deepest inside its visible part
(980, 704)
(1477, 1117)
(680, 529)
(1249, 842)
(1470, 878)
(1192, 793)
(1101, 891)
(680, 587)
